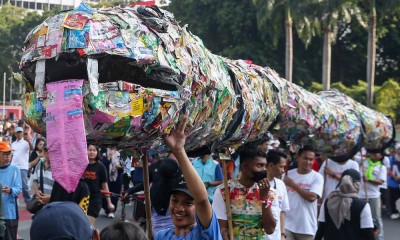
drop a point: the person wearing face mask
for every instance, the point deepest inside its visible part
(304, 187)
(394, 182)
(251, 199)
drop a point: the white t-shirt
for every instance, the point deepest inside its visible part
(379, 173)
(386, 163)
(20, 154)
(365, 217)
(302, 216)
(282, 205)
(331, 182)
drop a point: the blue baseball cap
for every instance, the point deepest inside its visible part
(61, 220)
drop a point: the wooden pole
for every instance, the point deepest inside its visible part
(323, 189)
(227, 200)
(149, 224)
(4, 96)
(363, 170)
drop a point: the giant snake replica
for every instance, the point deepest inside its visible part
(141, 72)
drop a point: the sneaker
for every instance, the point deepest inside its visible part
(394, 216)
(111, 215)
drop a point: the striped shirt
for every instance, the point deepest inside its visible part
(48, 180)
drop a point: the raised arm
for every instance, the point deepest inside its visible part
(176, 142)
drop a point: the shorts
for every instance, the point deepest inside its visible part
(94, 207)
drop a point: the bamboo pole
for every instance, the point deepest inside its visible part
(146, 182)
(363, 170)
(323, 189)
(4, 95)
(227, 200)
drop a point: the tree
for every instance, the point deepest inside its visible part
(371, 8)
(325, 16)
(271, 12)
(387, 99)
(228, 28)
(15, 24)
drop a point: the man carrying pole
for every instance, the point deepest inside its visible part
(251, 199)
(374, 174)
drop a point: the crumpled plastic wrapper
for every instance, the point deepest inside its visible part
(143, 72)
(306, 118)
(378, 128)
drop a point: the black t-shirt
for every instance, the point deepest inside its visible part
(95, 175)
(32, 157)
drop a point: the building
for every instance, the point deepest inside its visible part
(11, 111)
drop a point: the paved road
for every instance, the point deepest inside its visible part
(391, 227)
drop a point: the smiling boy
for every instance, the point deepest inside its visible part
(190, 209)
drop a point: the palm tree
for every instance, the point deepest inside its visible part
(274, 13)
(371, 52)
(324, 16)
(371, 7)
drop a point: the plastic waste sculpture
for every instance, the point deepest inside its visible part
(141, 72)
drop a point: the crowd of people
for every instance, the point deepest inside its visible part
(273, 191)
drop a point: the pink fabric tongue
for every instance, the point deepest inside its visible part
(66, 138)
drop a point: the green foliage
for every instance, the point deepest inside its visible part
(387, 99)
(315, 87)
(387, 96)
(357, 91)
(15, 24)
(227, 28)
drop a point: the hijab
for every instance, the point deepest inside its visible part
(339, 201)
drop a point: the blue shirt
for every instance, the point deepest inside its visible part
(10, 176)
(395, 168)
(138, 175)
(218, 173)
(236, 170)
(198, 233)
(161, 222)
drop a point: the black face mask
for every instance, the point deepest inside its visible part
(257, 176)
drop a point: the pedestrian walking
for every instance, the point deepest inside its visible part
(276, 164)
(250, 196)
(10, 177)
(333, 172)
(304, 187)
(374, 176)
(21, 148)
(114, 169)
(394, 182)
(210, 173)
(343, 215)
(44, 173)
(96, 179)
